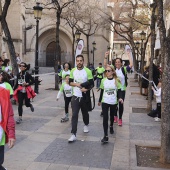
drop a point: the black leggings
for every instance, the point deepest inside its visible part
(121, 105)
(21, 98)
(1, 157)
(67, 101)
(105, 110)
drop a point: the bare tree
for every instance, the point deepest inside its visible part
(8, 37)
(165, 48)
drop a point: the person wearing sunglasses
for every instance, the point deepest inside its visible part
(109, 99)
(121, 72)
(23, 90)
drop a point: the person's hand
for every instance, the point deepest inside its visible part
(78, 85)
(121, 100)
(99, 103)
(83, 89)
(24, 84)
(11, 142)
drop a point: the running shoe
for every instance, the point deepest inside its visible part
(86, 129)
(32, 108)
(72, 138)
(19, 120)
(115, 119)
(157, 119)
(120, 122)
(105, 139)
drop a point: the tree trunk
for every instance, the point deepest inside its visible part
(165, 107)
(58, 50)
(87, 37)
(8, 37)
(153, 39)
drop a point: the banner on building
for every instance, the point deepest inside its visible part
(79, 48)
(128, 52)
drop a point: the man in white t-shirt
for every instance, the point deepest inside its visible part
(82, 80)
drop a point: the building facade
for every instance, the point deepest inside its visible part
(22, 26)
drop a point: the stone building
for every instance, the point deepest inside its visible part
(22, 26)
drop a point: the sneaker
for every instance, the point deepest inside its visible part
(105, 139)
(111, 130)
(19, 120)
(101, 114)
(120, 122)
(32, 108)
(72, 138)
(157, 119)
(86, 129)
(115, 119)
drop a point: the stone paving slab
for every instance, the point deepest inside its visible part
(145, 132)
(79, 153)
(31, 124)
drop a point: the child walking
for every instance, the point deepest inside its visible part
(67, 90)
(157, 93)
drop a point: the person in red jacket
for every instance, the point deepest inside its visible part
(23, 91)
(7, 123)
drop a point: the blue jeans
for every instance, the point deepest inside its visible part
(98, 81)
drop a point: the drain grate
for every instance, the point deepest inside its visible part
(139, 110)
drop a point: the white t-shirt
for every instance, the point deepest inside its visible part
(80, 76)
(64, 73)
(110, 91)
(120, 76)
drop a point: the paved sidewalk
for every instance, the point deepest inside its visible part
(42, 140)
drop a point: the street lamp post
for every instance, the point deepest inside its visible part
(143, 35)
(77, 35)
(137, 47)
(37, 15)
(94, 48)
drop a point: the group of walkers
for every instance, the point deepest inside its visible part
(111, 81)
(76, 86)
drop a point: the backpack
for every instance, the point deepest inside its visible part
(125, 74)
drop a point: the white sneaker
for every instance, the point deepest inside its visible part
(86, 129)
(72, 138)
(157, 119)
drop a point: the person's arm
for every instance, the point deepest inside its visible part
(30, 79)
(60, 92)
(120, 96)
(106, 59)
(101, 95)
(11, 127)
